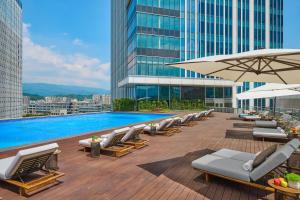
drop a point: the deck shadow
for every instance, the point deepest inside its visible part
(179, 170)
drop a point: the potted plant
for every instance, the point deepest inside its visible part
(152, 128)
(95, 138)
(293, 180)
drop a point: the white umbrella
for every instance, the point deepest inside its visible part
(270, 91)
(266, 65)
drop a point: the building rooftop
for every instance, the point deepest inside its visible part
(160, 171)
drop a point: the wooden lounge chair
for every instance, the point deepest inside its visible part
(200, 116)
(15, 170)
(187, 120)
(161, 128)
(230, 164)
(172, 126)
(111, 143)
(132, 137)
(257, 123)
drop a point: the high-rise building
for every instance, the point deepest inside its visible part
(147, 34)
(10, 59)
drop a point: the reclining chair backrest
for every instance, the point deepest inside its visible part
(162, 125)
(133, 132)
(272, 162)
(295, 143)
(201, 114)
(114, 138)
(30, 160)
(171, 123)
(186, 118)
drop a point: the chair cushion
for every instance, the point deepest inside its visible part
(236, 155)
(263, 155)
(163, 124)
(268, 133)
(266, 124)
(85, 142)
(222, 166)
(273, 161)
(4, 164)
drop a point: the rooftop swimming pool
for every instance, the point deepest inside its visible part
(28, 131)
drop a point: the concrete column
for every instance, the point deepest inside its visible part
(267, 24)
(234, 26)
(251, 24)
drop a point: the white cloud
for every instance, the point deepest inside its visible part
(78, 42)
(43, 64)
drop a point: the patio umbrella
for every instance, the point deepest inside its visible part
(271, 90)
(266, 65)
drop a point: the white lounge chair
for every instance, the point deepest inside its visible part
(160, 128)
(278, 133)
(111, 143)
(14, 169)
(132, 137)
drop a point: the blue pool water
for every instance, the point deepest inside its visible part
(28, 131)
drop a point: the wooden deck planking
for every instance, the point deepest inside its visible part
(124, 178)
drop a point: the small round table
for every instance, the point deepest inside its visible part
(283, 192)
(95, 149)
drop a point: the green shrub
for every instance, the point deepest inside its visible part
(124, 105)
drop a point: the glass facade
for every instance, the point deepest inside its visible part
(10, 59)
(157, 32)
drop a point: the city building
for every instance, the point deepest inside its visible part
(11, 59)
(102, 98)
(147, 34)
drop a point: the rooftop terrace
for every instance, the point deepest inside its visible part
(160, 171)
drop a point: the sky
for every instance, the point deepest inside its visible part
(68, 41)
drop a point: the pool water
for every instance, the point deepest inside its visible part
(28, 131)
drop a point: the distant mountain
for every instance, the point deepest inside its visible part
(45, 89)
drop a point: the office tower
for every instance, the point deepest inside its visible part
(10, 59)
(147, 34)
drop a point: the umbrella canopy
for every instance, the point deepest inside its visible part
(270, 91)
(266, 65)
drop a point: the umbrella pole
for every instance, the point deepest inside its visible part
(274, 107)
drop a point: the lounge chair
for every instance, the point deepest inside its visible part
(200, 116)
(236, 165)
(132, 137)
(15, 169)
(111, 143)
(187, 120)
(257, 123)
(209, 113)
(172, 126)
(160, 128)
(277, 133)
(266, 124)
(251, 117)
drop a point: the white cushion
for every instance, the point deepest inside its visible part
(133, 130)
(248, 166)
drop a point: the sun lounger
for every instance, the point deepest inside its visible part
(266, 124)
(200, 116)
(277, 133)
(238, 166)
(187, 120)
(257, 123)
(111, 143)
(210, 112)
(251, 117)
(14, 170)
(132, 137)
(161, 128)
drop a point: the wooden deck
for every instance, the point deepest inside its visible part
(160, 171)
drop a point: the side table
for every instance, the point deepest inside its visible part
(95, 149)
(283, 192)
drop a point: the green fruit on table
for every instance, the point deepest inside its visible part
(284, 184)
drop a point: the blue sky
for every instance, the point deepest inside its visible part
(68, 41)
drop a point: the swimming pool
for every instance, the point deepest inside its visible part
(28, 131)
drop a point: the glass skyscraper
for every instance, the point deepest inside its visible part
(10, 59)
(147, 34)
